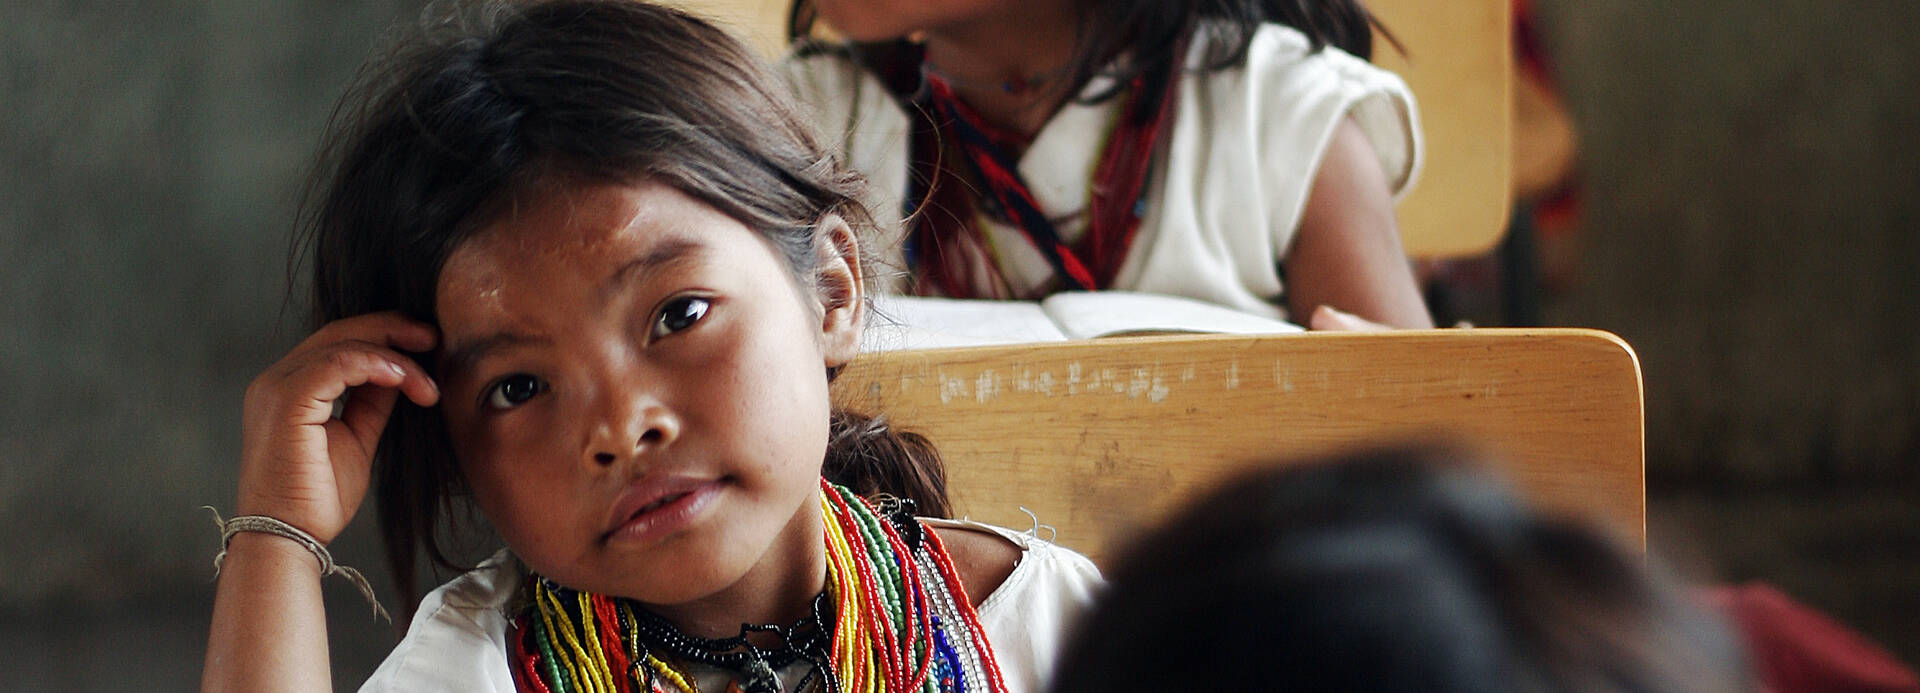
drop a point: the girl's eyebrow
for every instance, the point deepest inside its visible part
(460, 358)
(668, 251)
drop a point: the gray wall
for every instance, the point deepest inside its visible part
(150, 157)
(1751, 229)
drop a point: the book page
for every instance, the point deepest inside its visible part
(1083, 315)
(918, 322)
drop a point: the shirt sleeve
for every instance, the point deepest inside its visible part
(457, 640)
(1301, 97)
(1029, 618)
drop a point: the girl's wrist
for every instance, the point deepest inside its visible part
(279, 509)
(260, 548)
(274, 542)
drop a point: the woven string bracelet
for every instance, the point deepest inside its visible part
(268, 525)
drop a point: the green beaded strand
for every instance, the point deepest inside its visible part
(553, 663)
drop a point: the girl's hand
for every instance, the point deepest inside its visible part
(1328, 318)
(298, 463)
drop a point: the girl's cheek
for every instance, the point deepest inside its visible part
(462, 431)
(515, 437)
(488, 437)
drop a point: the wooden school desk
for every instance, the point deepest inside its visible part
(1099, 437)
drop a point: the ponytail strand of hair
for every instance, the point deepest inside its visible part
(871, 458)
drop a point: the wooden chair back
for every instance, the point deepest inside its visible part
(1096, 438)
(1458, 61)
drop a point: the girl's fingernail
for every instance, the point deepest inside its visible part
(397, 370)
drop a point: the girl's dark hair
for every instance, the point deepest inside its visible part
(1148, 32)
(1391, 570)
(870, 458)
(438, 139)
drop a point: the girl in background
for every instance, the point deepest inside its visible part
(1241, 152)
(578, 263)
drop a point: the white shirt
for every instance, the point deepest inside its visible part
(458, 639)
(1227, 192)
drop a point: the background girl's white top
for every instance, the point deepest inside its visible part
(1225, 197)
(457, 641)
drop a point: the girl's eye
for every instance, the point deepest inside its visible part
(513, 390)
(679, 314)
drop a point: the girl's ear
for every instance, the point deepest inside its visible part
(837, 284)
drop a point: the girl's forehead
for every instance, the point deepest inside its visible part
(577, 230)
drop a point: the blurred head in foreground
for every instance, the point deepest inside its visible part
(1408, 569)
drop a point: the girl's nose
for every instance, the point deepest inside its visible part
(632, 429)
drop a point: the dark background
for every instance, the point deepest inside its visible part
(1751, 227)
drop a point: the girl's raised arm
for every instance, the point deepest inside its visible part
(1347, 253)
(303, 466)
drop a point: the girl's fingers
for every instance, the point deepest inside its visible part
(417, 385)
(415, 337)
(1330, 319)
(313, 386)
(365, 415)
(390, 329)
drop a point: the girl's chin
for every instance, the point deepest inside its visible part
(664, 579)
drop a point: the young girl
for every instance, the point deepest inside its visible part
(1241, 152)
(580, 264)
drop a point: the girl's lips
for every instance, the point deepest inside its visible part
(650, 510)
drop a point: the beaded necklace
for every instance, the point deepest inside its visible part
(893, 618)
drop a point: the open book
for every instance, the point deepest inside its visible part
(912, 322)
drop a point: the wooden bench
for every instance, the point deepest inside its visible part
(1098, 437)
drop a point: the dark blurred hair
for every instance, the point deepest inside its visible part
(438, 138)
(1390, 570)
(1148, 31)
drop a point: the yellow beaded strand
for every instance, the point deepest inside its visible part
(580, 662)
(601, 669)
(853, 654)
(661, 669)
(541, 598)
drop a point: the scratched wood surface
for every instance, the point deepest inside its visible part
(1098, 437)
(1458, 63)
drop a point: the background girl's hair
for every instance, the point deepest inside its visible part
(1390, 570)
(870, 457)
(457, 125)
(1148, 32)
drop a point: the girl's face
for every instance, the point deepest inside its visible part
(636, 389)
(880, 20)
